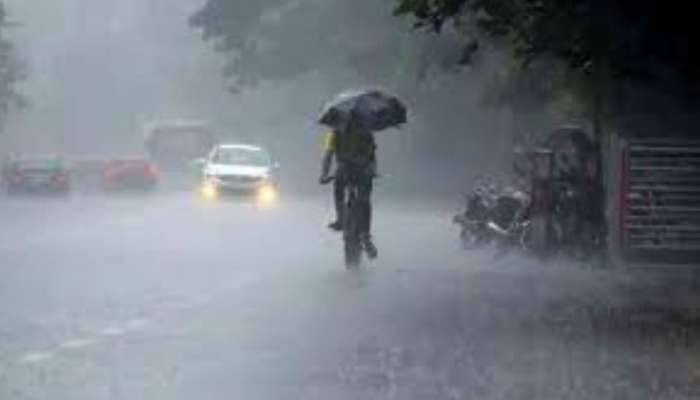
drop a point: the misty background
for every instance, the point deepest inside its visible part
(99, 70)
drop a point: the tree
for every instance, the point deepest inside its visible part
(602, 43)
(283, 39)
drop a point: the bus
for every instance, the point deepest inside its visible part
(174, 144)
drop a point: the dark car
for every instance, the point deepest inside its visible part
(36, 175)
(129, 173)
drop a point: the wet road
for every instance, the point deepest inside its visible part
(167, 297)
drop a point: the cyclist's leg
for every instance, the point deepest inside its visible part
(365, 201)
(339, 186)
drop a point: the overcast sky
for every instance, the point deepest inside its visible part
(99, 69)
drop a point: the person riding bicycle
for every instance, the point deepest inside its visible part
(354, 150)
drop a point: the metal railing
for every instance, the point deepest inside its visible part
(660, 196)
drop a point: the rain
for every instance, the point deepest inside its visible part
(328, 199)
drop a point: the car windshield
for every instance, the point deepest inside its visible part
(241, 156)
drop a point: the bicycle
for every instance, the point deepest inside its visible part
(353, 246)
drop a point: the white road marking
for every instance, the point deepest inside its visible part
(75, 344)
(196, 301)
(36, 357)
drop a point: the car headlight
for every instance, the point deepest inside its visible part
(209, 190)
(267, 194)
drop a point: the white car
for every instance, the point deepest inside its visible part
(239, 169)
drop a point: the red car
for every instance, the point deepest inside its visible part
(130, 173)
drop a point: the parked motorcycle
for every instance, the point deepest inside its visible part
(500, 218)
(474, 218)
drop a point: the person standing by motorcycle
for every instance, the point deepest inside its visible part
(353, 149)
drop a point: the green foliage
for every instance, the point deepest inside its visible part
(644, 40)
(605, 47)
(282, 39)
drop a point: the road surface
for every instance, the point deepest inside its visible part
(164, 296)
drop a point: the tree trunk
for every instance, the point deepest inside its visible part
(599, 87)
(600, 103)
(597, 111)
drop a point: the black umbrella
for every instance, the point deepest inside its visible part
(375, 110)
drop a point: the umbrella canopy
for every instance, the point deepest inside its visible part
(374, 110)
